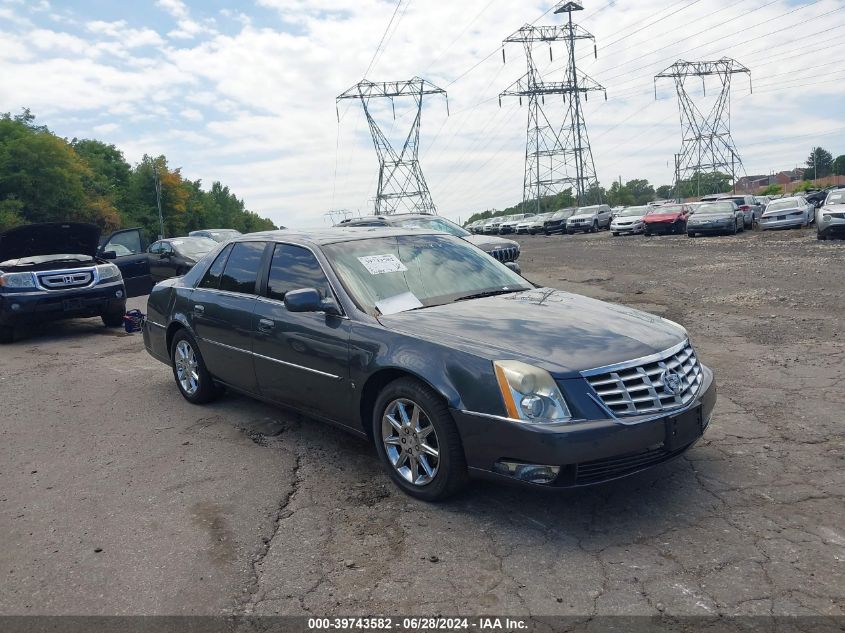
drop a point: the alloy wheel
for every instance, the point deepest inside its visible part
(187, 367)
(410, 441)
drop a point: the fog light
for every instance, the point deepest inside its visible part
(532, 473)
(118, 294)
(16, 306)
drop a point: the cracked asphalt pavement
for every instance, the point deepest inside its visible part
(118, 497)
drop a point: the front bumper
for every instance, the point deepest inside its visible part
(629, 228)
(589, 452)
(17, 308)
(721, 227)
(830, 226)
(666, 226)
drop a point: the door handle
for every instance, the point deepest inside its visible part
(265, 325)
(199, 309)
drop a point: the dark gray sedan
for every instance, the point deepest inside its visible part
(449, 362)
(715, 217)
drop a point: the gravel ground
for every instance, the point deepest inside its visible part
(119, 497)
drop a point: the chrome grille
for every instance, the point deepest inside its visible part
(638, 387)
(59, 281)
(506, 254)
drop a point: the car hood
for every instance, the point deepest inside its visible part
(663, 217)
(490, 243)
(628, 218)
(559, 331)
(581, 216)
(50, 238)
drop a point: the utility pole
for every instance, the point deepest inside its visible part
(677, 178)
(815, 164)
(401, 185)
(557, 155)
(706, 142)
(158, 201)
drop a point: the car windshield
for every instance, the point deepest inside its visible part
(224, 235)
(714, 207)
(836, 197)
(786, 203)
(433, 224)
(738, 200)
(193, 247)
(633, 212)
(562, 215)
(386, 275)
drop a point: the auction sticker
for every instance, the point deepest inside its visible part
(380, 264)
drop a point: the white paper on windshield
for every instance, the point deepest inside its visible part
(380, 264)
(398, 303)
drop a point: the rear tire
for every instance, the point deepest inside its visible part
(192, 378)
(819, 236)
(690, 234)
(7, 334)
(446, 473)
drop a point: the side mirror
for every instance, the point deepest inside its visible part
(108, 255)
(514, 267)
(309, 300)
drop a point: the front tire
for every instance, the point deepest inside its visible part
(113, 319)
(595, 228)
(7, 334)
(192, 378)
(417, 441)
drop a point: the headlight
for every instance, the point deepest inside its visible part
(108, 272)
(530, 393)
(17, 280)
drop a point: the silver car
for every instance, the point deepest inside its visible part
(787, 213)
(830, 218)
(629, 221)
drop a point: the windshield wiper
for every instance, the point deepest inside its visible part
(488, 293)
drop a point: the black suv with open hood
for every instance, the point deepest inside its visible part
(63, 270)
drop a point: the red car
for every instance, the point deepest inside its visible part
(671, 218)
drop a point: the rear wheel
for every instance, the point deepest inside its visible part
(820, 236)
(690, 234)
(417, 441)
(192, 377)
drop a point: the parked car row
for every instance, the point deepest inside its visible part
(714, 214)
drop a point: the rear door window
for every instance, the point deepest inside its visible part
(241, 271)
(294, 268)
(211, 279)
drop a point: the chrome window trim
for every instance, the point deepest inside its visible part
(636, 362)
(274, 360)
(322, 269)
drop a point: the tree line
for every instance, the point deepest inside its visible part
(46, 178)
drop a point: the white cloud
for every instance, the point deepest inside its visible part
(255, 107)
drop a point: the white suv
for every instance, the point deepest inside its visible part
(589, 219)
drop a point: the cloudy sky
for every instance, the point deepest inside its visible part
(244, 92)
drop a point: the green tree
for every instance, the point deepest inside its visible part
(641, 191)
(40, 170)
(819, 163)
(772, 190)
(700, 184)
(839, 165)
(665, 192)
(804, 185)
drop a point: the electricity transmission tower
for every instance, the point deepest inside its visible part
(707, 146)
(557, 154)
(401, 185)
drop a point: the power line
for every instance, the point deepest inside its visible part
(383, 35)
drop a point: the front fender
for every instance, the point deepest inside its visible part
(464, 380)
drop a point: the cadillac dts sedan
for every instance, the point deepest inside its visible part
(450, 363)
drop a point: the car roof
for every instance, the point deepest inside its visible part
(336, 235)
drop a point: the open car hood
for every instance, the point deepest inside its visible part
(49, 238)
